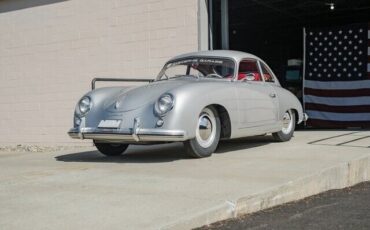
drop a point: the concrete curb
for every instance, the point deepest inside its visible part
(340, 176)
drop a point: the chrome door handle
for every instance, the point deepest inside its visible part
(272, 95)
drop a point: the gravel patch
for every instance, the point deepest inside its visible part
(37, 148)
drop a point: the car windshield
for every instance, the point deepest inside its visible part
(218, 68)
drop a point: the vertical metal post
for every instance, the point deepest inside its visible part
(304, 70)
(210, 36)
(203, 25)
(225, 24)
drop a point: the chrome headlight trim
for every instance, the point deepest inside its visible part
(164, 104)
(77, 121)
(84, 106)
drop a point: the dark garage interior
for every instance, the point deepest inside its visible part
(273, 29)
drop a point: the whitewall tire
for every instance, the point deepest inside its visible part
(287, 131)
(207, 134)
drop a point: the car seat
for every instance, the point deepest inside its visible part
(247, 68)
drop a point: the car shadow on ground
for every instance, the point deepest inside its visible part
(243, 143)
(163, 152)
(351, 139)
(134, 154)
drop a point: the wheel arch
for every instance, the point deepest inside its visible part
(296, 114)
(224, 119)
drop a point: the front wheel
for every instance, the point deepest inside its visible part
(207, 134)
(286, 133)
(111, 149)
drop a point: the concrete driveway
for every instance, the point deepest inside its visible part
(155, 187)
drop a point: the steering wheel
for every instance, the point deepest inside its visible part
(214, 75)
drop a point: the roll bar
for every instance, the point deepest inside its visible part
(118, 79)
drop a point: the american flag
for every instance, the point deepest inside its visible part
(337, 76)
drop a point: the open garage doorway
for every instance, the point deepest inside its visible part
(273, 29)
(327, 67)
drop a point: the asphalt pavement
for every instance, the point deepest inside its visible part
(347, 208)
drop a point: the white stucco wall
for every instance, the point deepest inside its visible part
(49, 54)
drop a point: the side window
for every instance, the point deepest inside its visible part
(267, 75)
(248, 70)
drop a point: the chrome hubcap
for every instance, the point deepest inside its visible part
(205, 127)
(287, 122)
(206, 130)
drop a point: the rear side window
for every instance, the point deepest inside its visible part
(267, 75)
(248, 68)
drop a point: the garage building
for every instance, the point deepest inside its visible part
(51, 49)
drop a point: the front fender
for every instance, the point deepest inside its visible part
(190, 101)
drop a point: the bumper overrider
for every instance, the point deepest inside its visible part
(135, 134)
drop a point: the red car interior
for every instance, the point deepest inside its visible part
(247, 67)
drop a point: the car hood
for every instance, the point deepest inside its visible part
(136, 97)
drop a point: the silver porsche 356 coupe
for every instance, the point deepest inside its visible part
(197, 98)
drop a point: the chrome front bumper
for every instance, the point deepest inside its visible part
(128, 135)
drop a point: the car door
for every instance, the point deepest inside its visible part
(271, 83)
(255, 99)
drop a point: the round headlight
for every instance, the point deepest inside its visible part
(164, 104)
(84, 105)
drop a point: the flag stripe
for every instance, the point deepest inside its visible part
(338, 109)
(338, 116)
(337, 84)
(337, 93)
(339, 101)
(337, 124)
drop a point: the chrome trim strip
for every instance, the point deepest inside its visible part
(119, 79)
(160, 132)
(107, 136)
(137, 134)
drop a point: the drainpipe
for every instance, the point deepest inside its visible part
(225, 24)
(210, 10)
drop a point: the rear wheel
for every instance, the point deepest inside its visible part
(111, 149)
(207, 134)
(287, 131)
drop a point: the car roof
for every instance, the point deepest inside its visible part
(236, 55)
